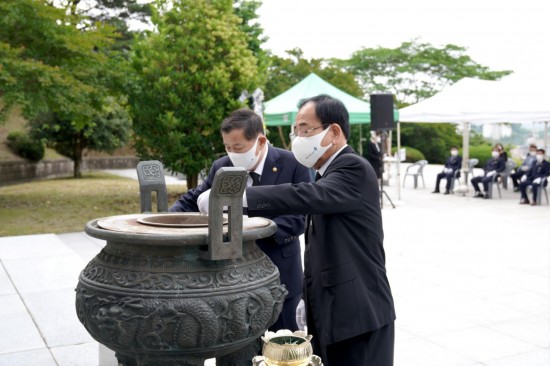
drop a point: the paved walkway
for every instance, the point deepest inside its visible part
(470, 279)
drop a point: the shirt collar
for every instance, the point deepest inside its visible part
(260, 168)
(324, 167)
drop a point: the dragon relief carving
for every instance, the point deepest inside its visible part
(160, 324)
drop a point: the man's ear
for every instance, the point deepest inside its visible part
(262, 140)
(336, 132)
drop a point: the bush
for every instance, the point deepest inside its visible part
(412, 155)
(481, 152)
(22, 145)
(433, 139)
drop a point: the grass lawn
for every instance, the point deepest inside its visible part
(67, 204)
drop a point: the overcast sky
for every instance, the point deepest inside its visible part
(500, 34)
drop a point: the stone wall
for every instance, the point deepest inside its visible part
(23, 171)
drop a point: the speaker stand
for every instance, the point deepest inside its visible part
(384, 193)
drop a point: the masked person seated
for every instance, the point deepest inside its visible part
(453, 163)
(540, 170)
(493, 167)
(525, 167)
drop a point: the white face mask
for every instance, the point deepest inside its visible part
(378, 139)
(307, 150)
(247, 159)
(533, 152)
(454, 152)
(495, 154)
(540, 158)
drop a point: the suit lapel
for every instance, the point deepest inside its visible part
(272, 167)
(309, 218)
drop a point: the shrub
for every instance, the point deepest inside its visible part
(22, 145)
(411, 154)
(481, 152)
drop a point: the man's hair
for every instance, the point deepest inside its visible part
(454, 147)
(541, 151)
(329, 110)
(532, 146)
(246, 120)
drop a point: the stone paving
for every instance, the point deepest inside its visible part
(470, 279)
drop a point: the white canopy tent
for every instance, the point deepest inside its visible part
(511, 100)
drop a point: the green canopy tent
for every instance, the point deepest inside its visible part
(282, 110)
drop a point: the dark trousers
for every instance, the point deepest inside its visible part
(287, 318)
(448, 176)
(484, 180)
(516, 177)
(370, 349)
(523, 189)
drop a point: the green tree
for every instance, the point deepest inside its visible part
(189, 76)
(128, 17)
(286, 72)
(109, 130)
(247, 10)
(48, 64)
(414, 70)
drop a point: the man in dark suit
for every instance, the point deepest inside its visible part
(453, 163)
(529, 161)
(349, 304)
(534, 178)
(374, 153)
(247, 147)
(492, 167)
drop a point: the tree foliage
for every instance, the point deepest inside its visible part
(24, 146)
(126, 16)
(434, 140)
(48, 64)
(285, 72)
(414, 70)
(247, 11)
(189, 76)
(109, 130)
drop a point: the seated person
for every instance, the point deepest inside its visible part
(453, 163)
(528, 162)
(502, 154)
(534, 178)
(494, 166)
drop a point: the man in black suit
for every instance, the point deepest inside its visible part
(374, 153)
(247, 147)
(453, 163)
(534, 177)
(349, 304)
(492, 167)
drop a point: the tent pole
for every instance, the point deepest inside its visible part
(465, 149)
(546, 137)
(398, 161)
(361, 140)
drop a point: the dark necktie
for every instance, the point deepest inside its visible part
(317, 176)
(255, 178)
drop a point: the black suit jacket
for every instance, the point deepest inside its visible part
(539, 170)
(345, 276)
(454, 162)
(497, 164)
(283, 248)
(374, 156)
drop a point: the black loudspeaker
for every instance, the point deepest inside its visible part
(381, 112)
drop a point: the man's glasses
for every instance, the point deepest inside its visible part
(304, 133)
